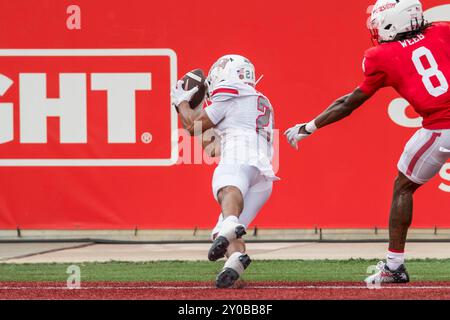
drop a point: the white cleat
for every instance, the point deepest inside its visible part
(385, 275)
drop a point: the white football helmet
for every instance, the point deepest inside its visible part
(232, 68)
(393, 17)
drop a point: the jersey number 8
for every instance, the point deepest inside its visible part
(432, 71)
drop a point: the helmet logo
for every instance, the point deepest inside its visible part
(222, 63)
(241, 74)
(384, 8)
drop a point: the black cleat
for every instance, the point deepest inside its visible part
(226, 278)
(220, 244)
(240, 231)
(218, 248)
(245, 260)
(400, 275)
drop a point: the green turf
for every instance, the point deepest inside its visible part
(273, 270)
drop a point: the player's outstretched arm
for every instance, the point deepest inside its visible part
(341, 108)
(338, 110)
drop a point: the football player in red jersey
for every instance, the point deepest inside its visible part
(413, 57)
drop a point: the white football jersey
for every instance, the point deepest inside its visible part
(244, 121)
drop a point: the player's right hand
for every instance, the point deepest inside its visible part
(179, 95)
(295, 134)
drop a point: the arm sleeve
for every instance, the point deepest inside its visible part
(374, 79)
(217, 111)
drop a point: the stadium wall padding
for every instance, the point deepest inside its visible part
(310, 53)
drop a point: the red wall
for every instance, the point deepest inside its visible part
(310, 53)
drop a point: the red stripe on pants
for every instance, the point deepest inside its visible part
(421, 152)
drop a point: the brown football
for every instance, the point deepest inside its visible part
(195, 78)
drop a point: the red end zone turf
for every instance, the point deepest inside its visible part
(206, 291)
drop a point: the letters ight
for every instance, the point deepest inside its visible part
(71, 106)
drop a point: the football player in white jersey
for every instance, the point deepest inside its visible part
(242, 183)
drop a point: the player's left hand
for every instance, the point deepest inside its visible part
(296, 134)
(179, 95)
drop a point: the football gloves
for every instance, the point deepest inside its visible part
(294, 136)
(179, 95)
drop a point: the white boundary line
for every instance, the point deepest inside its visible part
(101, 162)
(213, 288)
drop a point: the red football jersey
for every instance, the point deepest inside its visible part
(419, 69)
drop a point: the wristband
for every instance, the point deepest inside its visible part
(311, 126)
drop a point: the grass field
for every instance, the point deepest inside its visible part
(270, 270)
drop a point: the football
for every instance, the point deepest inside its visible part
(192, 79)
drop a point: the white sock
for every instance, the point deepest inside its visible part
(395, 260)
(234, 263)
(232, 219)
(228, 229)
